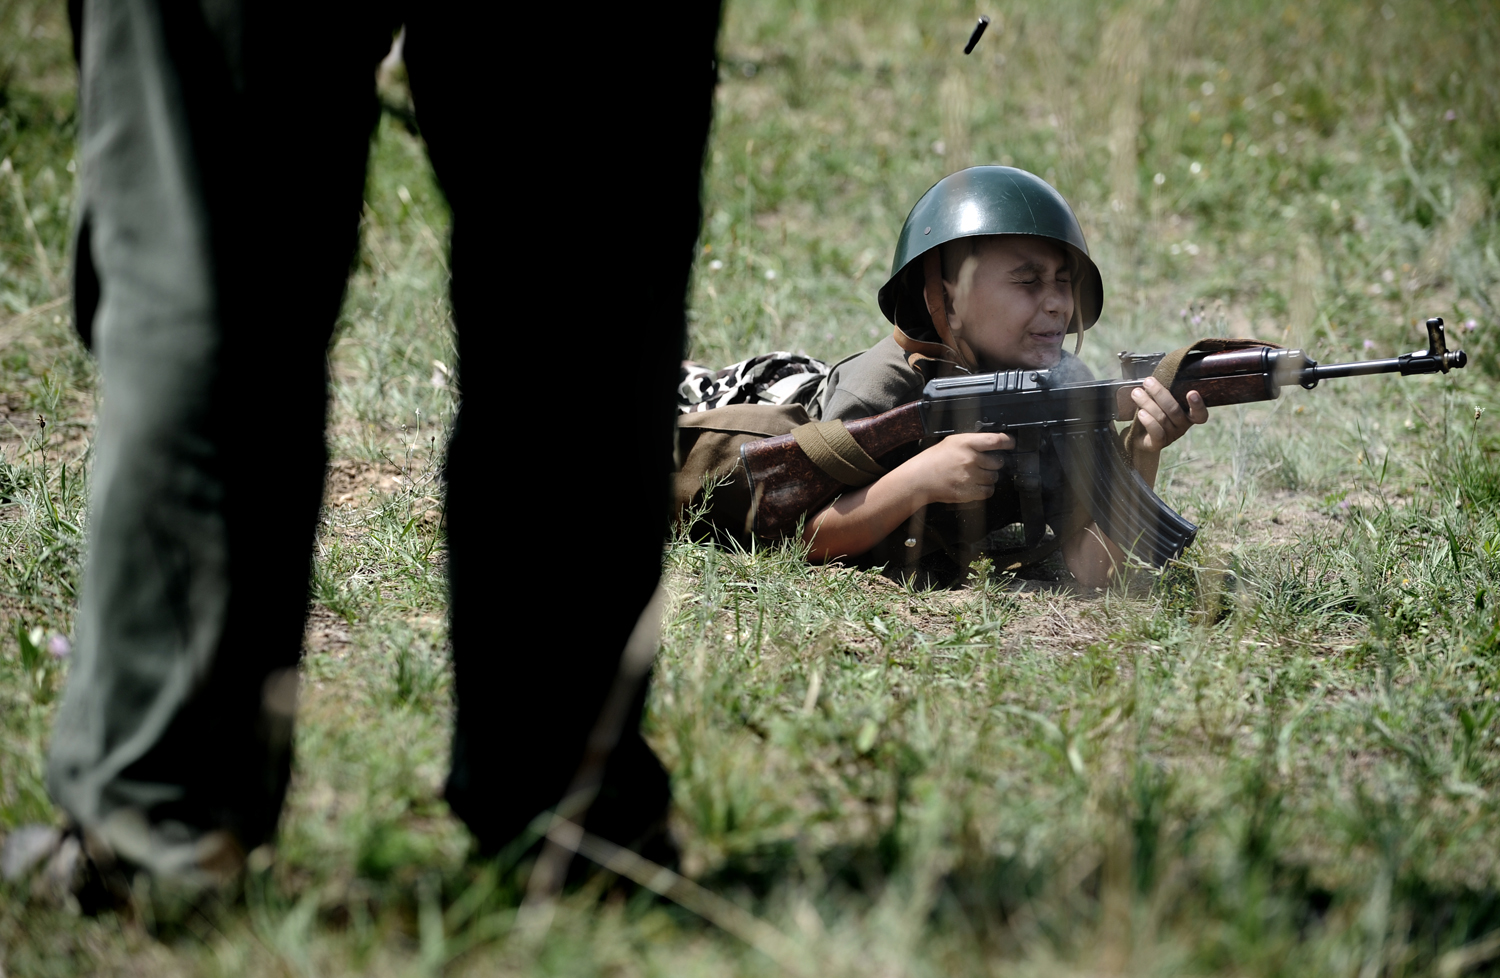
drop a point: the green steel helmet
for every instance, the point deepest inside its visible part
(994, 200)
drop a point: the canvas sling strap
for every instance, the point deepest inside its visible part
(831, 448)
(1166, 375)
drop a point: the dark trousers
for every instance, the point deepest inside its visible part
(223, 155)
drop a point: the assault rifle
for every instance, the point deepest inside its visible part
(1077, 420)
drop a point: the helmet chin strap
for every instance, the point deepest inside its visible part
(932, 291)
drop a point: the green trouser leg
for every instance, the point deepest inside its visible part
(173, 741)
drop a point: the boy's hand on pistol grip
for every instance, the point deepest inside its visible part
(960, 468)
(1158, 412)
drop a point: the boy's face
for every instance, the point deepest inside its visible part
(1012, 302)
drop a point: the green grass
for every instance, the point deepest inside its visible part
(1276, 759)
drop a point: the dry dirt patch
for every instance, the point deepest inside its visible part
(327, 633)
(350, 484)
(67, 437)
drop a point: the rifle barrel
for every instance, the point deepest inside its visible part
(1358, 368)
(1417, 362)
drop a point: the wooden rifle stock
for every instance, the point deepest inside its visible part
(785, 483)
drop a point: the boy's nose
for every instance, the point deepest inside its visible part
(1060, 299)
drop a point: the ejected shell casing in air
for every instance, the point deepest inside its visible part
(978, 33)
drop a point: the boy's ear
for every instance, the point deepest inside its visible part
(940, 306)
(950, 289)
(935, 291)
(937, 287)
(963, 276)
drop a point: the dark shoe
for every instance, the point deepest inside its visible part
(67, 865)
(75, 866)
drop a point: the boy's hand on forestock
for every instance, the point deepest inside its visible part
(959, 469)
(1163, 419)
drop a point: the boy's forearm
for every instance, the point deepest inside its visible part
(858, 520)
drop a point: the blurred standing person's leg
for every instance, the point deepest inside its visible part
(574, 183)
(223, 162)
(223, 156)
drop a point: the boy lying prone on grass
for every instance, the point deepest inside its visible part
(991, 273)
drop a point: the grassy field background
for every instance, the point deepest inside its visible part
(1276, 759)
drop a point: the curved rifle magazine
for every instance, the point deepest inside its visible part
(1121, 503)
